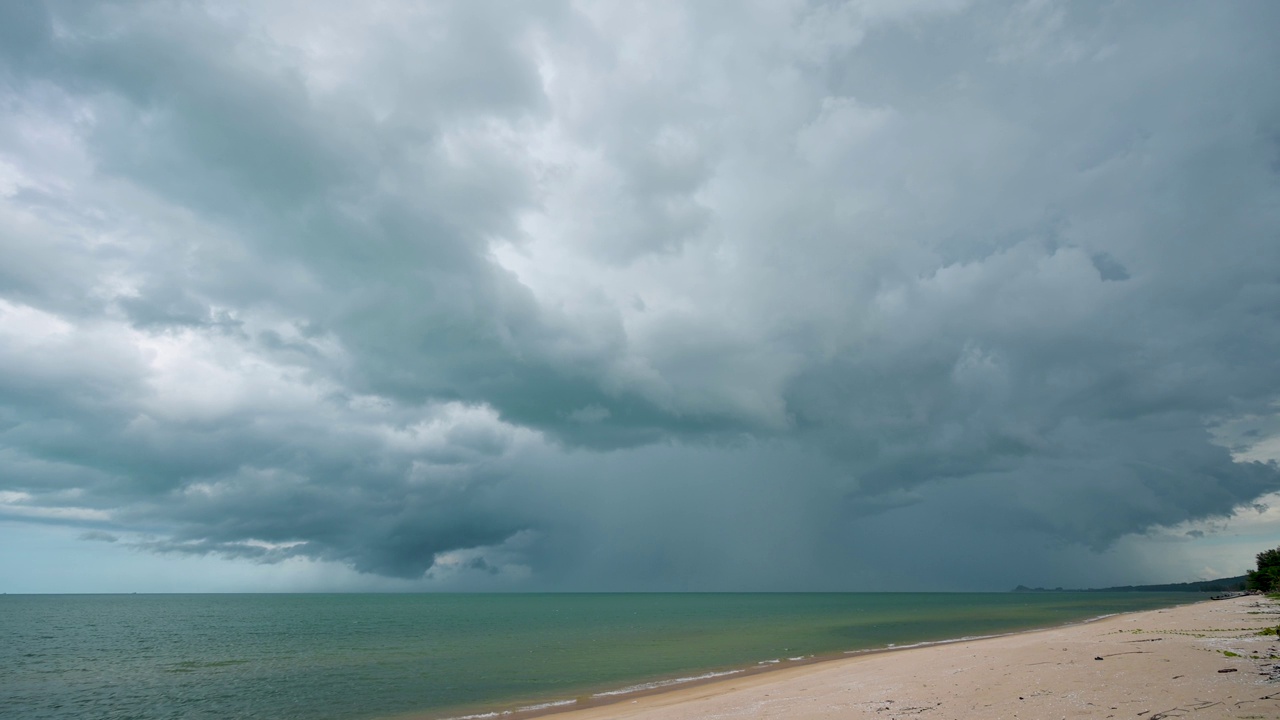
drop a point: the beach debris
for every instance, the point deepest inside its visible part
(1181, 711)
(1128, 652)
(1227, 670)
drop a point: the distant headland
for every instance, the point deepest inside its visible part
(1231, 584)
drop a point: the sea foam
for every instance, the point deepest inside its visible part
(664, 683)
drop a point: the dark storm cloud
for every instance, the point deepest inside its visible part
(576, 295)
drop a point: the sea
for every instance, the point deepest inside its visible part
(367, 656)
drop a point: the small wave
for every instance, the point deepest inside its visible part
(665, 683)
(927, 643)
(545, 705)
(523, 709)
(607, 693)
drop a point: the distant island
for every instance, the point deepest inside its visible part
(1231, 584)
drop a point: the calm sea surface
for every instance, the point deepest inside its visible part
(341, 657)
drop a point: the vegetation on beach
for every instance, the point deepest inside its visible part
(1267, 577)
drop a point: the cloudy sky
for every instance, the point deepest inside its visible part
(723, 295)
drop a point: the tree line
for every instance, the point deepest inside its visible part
(1267, 577)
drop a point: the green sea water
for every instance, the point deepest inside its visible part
(347, 657)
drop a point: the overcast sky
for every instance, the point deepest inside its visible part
(555, 295)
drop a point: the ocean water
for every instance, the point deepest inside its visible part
(348, 657)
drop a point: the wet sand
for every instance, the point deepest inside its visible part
(1196, 661)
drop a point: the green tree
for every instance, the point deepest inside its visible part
(1267, 577)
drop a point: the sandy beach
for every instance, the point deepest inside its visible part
(1197, 661)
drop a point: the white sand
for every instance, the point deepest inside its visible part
(1156, 664)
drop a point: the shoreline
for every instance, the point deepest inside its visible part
(866, 678)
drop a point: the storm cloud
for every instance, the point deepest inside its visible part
(769, 295)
